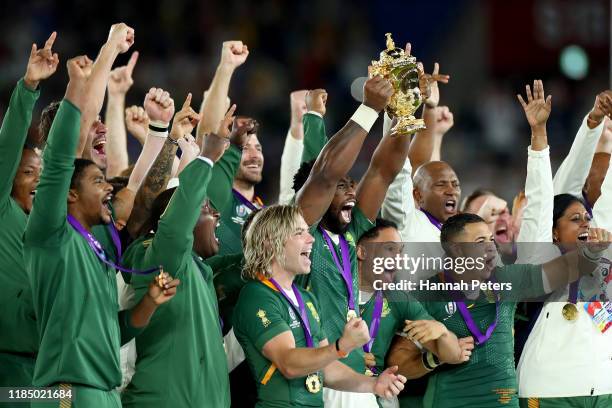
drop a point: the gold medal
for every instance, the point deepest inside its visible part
(160, 279)
(351, 314)
(313, 383)
(570, 312)
(369, 372)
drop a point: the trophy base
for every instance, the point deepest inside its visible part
(407, 125)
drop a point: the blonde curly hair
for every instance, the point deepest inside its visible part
(265, 237)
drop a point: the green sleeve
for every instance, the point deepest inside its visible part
(48, 215)
(527, 281)
(222, 179)
(220, 262)
(315, 137)
(128, 332)
(360, 224)
(174, 237)
(407, 307)
(259, 316)
(13, 134)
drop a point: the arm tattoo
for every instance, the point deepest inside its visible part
(154, 183)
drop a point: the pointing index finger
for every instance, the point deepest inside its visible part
(187, 102)
(132, 63)
(50, 40)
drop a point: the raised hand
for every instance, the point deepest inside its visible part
(185, 120)
(121, 37)
(120, 80)
(442, 119)
(233, 54)
(355, 334)
(162, 288)
(428, 84)
(424, 331)
(225, 126)
(137, 122)
(537, 109)
(159, 106)
(598, 240)
(377, 93)
(42, 63)
(79, 69)
(389, 384)
(316, 100)
(298, 105)
(601, 108)
(188, 147)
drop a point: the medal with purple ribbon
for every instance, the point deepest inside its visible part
(344, 268)
(244, 200)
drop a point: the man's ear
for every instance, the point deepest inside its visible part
(73, 196)
(416, 194)
(361, 252)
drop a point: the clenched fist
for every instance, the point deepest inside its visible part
(121, 37)
(159, 105)
(377, 92)
(316, 100)
(233, 54)
(137, 122)
(355, 335)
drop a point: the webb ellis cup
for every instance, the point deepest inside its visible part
(401, 70)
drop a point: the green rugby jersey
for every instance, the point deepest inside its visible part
(17, 320)
(488, 379)
(180, 355)
(397, 308)
(260, 315)
(326, 283)
(74, 293)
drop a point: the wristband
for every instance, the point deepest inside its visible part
(430, 360)
(365, 117)
(340, 353)
(158, 129)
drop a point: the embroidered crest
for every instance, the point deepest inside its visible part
(262, 315)
(450, 308)
(385, 309)
(349, 238)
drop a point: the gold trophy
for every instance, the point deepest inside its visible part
(401, 70)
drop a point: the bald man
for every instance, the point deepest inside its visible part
(420, 208)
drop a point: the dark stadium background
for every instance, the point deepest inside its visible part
(490, 48)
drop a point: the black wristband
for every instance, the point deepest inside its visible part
(174, 142)
(157, 128)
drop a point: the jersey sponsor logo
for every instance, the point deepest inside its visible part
(385, 309)
(313, 311)
(450, 308)
(262, 315)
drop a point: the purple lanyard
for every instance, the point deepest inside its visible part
(244, 200)
(573, 292)
(301, 311)
(375, 323)
(345, 267)
(471, 324)
(99, 251)
(433, 220)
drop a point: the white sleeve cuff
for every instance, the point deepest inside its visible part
(314, 113)
(538, 153)
(206, 160)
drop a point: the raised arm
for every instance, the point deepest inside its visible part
(294, 147)
(340, 153)
(536, 224)
(159, 107)
(315, 136)
(14, 131)
(119, 82)
(48, 215)
(174, 235)
(574, 170)
(120, 39)
(602, 210)
(214, 105)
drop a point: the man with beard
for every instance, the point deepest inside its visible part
(339, 212)
(184, 236)
(488, 379)
(73, 281)
(389, 311)
(19, 340)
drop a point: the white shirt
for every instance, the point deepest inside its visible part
(576, 354)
